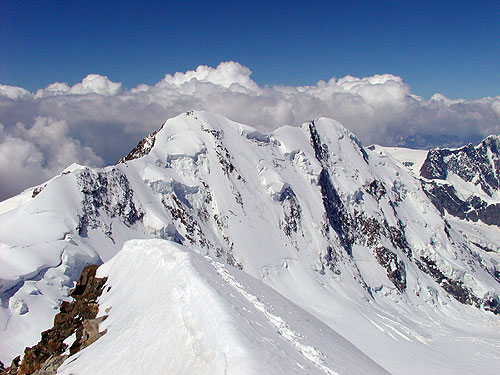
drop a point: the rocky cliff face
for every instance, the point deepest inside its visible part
(479, 165)
(476, 167)
(107, 193)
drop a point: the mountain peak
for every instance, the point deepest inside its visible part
(306, 210)
(188, 125)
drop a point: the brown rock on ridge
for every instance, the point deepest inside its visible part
(78, 316)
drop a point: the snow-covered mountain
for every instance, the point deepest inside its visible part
(466, 181)
(302, 252)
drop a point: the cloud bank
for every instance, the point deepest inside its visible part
(97, 121)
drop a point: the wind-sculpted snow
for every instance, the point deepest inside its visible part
(179, 312)
(346, 233)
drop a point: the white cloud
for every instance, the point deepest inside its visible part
(95, 83)
(98, 121)
(227, 74)
(13, 93)
(56, 88)
(32, 155)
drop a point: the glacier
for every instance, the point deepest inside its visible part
(341, 236)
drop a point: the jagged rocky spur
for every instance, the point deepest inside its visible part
(476, 166)
(75, 319)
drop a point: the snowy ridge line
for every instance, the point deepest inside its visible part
(308, 352)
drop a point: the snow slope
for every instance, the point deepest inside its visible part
(179, 312)
(42, 255)
(411, 158)
(346, 234)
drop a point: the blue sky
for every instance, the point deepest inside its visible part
(450, 47)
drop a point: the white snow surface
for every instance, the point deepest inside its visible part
(254, 201)
(179, 312)
(413, 159)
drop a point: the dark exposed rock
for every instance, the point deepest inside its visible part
(454, 287)
(143, 148)
(488, 215)
(291, 209)
(479, 165)
(194, 232)
(445, 198)
(461, 293)
(224, 159)
(329, 260)
(476, 202)
(397, 237)
(434, 166)
(395, 268)
(37, 191)
(369, 232)
(109, 192)
(76, 317)
(336, 213)
(237, 196)
(180, 212)
(376, 189)
(492, 303)
(320, 149)
(222, 153)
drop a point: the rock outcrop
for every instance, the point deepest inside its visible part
(475, 165)
(76, 320)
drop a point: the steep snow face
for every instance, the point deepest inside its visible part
(179, 312)
(346, 233)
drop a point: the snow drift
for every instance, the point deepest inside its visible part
(177, 311)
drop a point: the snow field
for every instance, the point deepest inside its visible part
(173, 310)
